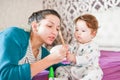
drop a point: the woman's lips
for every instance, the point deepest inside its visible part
(51, 38)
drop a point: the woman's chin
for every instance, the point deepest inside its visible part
(49, 43)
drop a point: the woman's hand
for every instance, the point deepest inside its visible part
(58, 53)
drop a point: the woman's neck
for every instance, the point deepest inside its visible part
(36, 43)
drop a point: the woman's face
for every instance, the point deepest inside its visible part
(83, 34)
(48, 29)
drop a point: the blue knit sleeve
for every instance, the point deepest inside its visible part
(13, 44)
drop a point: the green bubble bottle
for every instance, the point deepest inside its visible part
(51, 73)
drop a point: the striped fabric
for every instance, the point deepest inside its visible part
(29, 57)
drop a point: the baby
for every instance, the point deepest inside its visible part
(84, 53)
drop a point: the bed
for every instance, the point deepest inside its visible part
(109, 62)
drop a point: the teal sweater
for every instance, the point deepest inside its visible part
(13, 46)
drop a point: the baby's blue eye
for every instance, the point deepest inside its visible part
(83, 30)
(76, 29)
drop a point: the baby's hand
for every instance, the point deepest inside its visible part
(71, 57)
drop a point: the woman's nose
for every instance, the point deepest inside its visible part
(55, 31)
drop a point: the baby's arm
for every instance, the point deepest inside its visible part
(88, 57)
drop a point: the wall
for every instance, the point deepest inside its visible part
(109, 28)
(106, 11)
(16, 12)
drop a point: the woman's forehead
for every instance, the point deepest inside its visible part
(52, 20)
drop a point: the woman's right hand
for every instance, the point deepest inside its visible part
(58, 53)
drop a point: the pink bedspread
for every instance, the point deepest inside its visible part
(110, 63)
(41, 76)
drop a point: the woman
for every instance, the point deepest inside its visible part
(18, 46)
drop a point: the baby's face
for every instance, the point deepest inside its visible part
(83, 34)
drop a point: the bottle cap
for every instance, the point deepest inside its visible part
(51, 72)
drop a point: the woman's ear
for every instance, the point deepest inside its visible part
(34, 26)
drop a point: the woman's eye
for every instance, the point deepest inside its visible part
(57, 29)
(49, 26)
